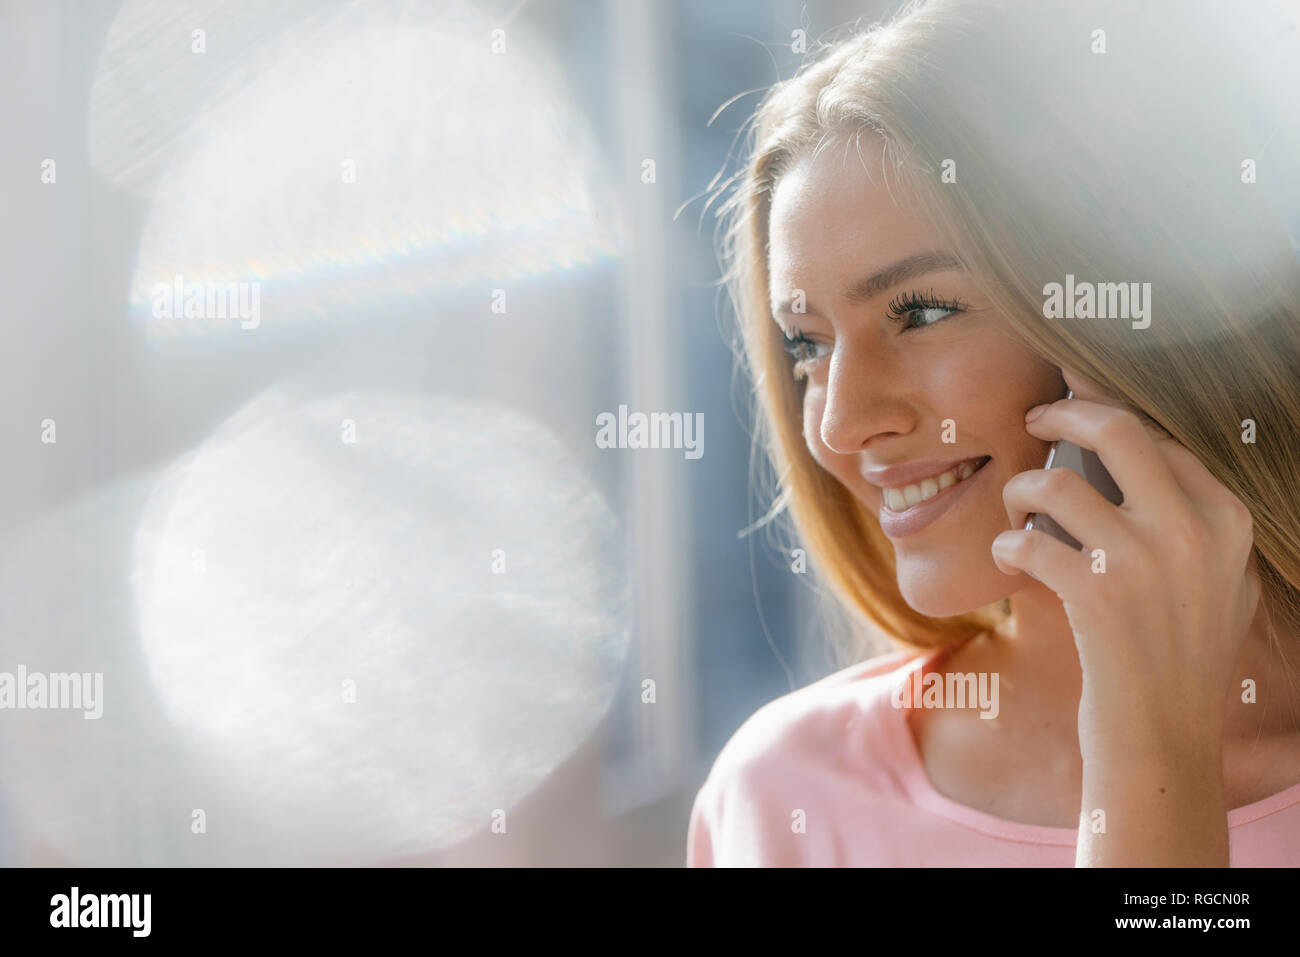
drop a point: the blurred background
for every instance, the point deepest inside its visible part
(310, 312)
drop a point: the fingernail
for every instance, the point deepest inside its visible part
(1035, 412)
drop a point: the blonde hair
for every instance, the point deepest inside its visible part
(1115, 157)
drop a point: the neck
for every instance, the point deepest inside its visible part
(1037, 646)
(1036, 642)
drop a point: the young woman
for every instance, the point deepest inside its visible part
(944, 223)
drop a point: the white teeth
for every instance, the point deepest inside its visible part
(904, 497)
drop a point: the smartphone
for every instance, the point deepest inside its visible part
(1067, 455)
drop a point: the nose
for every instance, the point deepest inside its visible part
(865, 402)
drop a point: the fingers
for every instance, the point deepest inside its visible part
(1124, 444)
(1195, 480)
(1054, 563)
(1066, 496)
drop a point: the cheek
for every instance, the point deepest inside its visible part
(952, 381)
(985, 387)
(972, 380)
(1026, 378)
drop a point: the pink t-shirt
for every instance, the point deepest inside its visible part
(831, 776)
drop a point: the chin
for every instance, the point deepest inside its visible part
(943, 592)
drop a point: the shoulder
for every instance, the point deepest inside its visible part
(778, 761)
(804, 720)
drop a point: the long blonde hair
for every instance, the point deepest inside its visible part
(1125, 142)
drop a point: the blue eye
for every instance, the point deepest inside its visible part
(905, 307)
(803, 349)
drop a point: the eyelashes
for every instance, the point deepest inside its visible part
(904, 309)
(906, 304)
(802, 349)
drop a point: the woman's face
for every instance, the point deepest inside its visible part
(916, 390)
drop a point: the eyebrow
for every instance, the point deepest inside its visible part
(909, 267)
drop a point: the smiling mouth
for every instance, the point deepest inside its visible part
(903, 497)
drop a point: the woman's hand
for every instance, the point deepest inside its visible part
(1158, 631)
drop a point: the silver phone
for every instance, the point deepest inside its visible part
(1067, 455)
